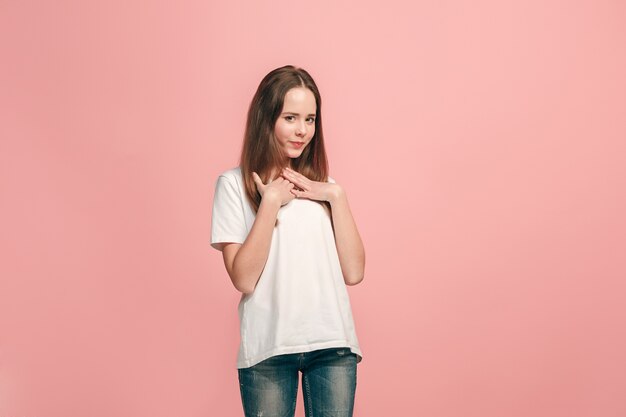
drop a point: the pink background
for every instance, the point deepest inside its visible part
(482, 145)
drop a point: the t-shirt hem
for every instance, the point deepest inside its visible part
(229, 239)
(246, 363)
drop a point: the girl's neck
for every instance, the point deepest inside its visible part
(277, 171)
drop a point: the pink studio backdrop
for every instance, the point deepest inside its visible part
(482, 145)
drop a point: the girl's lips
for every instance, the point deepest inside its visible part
(297, 144)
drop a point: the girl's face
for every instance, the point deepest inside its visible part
(296, 124)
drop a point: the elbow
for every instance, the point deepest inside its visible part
(354, 279)
(244, 290)
(243, 285)
(356, 275)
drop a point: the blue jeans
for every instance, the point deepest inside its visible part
(270, 387)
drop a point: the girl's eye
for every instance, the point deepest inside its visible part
(312, 119)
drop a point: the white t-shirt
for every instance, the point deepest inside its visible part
(300, 302)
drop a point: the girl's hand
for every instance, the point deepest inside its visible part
(278, 189)
(314, 190)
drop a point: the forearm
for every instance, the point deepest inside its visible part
(348, 241)
(252, 256)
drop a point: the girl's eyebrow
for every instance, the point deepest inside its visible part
(297, 114)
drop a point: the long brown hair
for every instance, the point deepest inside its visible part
(261, 151)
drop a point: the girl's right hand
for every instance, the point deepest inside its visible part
(278, 189)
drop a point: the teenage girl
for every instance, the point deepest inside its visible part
(290, 246)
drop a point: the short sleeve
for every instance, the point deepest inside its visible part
(227, 220)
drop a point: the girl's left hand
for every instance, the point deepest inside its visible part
(314, 190)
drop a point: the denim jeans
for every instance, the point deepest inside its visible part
(270, 387)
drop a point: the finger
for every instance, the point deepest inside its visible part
(287, 178)
(256, 178)
(291, 177)
(301, 180)
(294, 173)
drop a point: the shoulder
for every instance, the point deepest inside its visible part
(232, 175)
(230, 182)
(331, 179)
